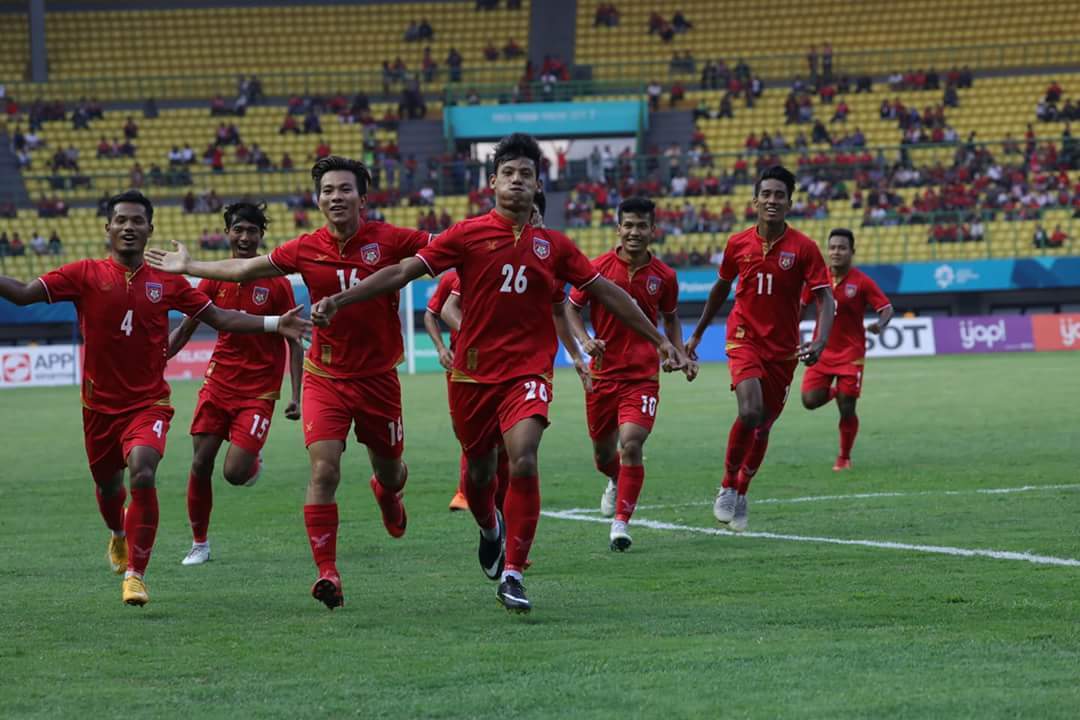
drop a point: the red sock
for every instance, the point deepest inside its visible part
(463, 477)
(388, 499)
(522, 514)
(849, 428)
(112, 507)
(322, 526)
(502, 478)
(200, 501)
(140, 524)
(753, 460)
(482, 502)
(631, 478)
(738, 444)
(611, 470)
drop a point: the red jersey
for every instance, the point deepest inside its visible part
(365, 338)
(655, 289)
(124, 320)
(448, 285)
(771, 278)
(854, 293)
(243, 364)
(507, 279)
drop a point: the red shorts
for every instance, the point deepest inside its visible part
(745, 363)
(110, 438)
(331, 406)
(848, 378)
(244, 422)
(482, 413)
(614, 402)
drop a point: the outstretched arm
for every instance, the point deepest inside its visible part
(623, 307)
(431, 324)
(291, 325)
(826, 310)
(717, 298)
(22, 293)
(296, 378)
(180, 336)
(388, 280)
(569, 341)
(232, 270)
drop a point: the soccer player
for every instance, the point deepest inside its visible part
(625, 394)
(772, 262)
(844, 357)
(243, 380)
(123, 307)
(349, 372)
(500, 389)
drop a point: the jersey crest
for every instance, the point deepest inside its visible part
(154, 291)
(787, 260)
(541, 248)
(652, 284)
(850, 290)
(370, 253)
(260, 295)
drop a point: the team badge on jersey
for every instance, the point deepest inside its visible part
(652, 284)
(154, 291)
(850, 290)
(541, 248)
(370, 253)
(787, 260)
(260, 295)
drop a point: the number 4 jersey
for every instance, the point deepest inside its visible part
(770, 283)
(124, 319)
(365, 338)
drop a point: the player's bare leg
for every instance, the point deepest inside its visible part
(522, 509)
(388, 484)
(140, 521)
(849, 428)
(321, 519)
(241, 466)
(632, 438)
(751, 403)
(813, 399)
(200, 496)
(606, 457)
(111, 495)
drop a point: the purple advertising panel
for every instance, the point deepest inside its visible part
(1001, 333)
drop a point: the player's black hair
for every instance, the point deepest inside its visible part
(540, 202)
(337, 162)
(777, 172)
(517, 145)
(638, 205)
(254, 213)
(131, 196)
(844, 232)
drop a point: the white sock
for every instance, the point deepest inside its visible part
(118, 533)
(132, 573)
(618, 526)
(512, 574)
(200, 544)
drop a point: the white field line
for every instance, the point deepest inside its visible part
(881, 544)
(852, 496)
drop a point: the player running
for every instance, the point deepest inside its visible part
(350, 378)
(500, 386)
(625, 394)
(236, 403)
(772, 262)
(123, 307)
(844, 357)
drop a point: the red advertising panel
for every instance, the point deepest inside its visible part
(1056, 332)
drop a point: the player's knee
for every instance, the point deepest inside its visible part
(238, 473)
(142, 477)
(202, 467)
(325, 474)
(751, 417)
(631, 452)
(604, 457)
(811, 401)
(524, 466)
(391, 476)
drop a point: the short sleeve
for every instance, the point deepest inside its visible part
(580, 298)
(409, 242)
(572, 265)
(875, 298)
(286, 257)
(441, 294)
(669, 298)
(65, 282)
(185, 298)
(815, 274)
(805, 296)
(444, 252)
(729, 267)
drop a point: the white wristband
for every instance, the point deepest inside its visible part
(270, 323)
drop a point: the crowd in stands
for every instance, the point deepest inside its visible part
(38, 245)
(1055, 107)
(667, 30)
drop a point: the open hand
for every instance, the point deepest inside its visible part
(170, 262)
(446, 358)
(292, 326)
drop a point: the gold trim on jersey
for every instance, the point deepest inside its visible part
(310, 367)
(860, 361)
(458, 376)
(326, 354)
(275, 395)
(732, 346)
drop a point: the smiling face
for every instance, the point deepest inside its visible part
(840, 252)
(515, 183)
(772, 201)
(128, 229)
(339, 197)
(635, 232)
(244, 238)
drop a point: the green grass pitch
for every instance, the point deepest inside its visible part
(686, 624)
